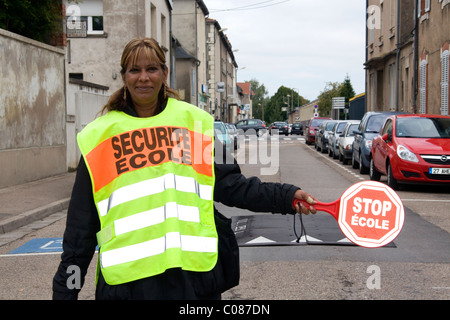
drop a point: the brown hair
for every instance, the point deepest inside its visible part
(153, 51)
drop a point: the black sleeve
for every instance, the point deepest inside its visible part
(80, 240)
(235, 190)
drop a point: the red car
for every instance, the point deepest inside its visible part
(311, 129)
(412, 148)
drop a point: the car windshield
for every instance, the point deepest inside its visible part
(280, 124)
(340, 127)
(317, 122)
(374, 124)
(423, 128)
(329, 126)
(219, 127)
(350, 130)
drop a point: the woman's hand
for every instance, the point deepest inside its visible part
(302, 195)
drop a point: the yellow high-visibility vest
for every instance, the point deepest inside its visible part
(153, 184)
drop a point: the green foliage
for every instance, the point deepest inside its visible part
(37, 19)
(274, 109)
(332, 90)
(259, 99)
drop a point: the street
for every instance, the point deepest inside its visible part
(416, 267)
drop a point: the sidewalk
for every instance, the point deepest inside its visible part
(23, 204)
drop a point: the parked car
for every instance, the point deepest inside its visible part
(413, 148)
(334, 138)
(234, 134)
(297, 128)
(311, 128)
(282, 128)
(221, 133)
(346, 141)
(368, 128)
(322, 135)
(251, 126)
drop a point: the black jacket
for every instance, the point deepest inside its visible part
(79, 244)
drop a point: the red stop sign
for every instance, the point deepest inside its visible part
(371, 214)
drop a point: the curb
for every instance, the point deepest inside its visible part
(27, 217)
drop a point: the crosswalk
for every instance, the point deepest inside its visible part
(274, 138)
(278, 230)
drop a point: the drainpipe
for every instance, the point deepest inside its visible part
(416, 56)
(196, 55)
(398, 57)
(365, 67)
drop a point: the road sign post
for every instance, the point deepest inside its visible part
(338, 103)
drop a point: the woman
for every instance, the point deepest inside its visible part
(145, 189)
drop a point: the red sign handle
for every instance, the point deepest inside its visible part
(331, 208)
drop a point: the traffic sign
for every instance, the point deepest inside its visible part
(338, 103)
(369, 213)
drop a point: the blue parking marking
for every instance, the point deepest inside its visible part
(42, 245)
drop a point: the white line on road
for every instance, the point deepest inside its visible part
(425, 200)
(340, 166)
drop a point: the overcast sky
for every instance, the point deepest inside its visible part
(301, 44)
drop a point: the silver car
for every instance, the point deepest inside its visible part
(346, 141)
(334, 137)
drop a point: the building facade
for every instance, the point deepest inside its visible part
(221, 73)
(407, 66)
(97, 31)
(189, 29)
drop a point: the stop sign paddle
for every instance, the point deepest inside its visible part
(369, 213)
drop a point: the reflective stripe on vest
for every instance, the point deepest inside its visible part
(153, 184)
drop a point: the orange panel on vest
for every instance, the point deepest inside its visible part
(146, 147)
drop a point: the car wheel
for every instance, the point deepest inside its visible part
(355, 164)
(335, 155)
(362, 169)
(391, 181)
(330, 153)
(374, 174)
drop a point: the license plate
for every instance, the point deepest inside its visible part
(439, 171)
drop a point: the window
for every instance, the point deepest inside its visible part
(372, 91)
(392, 86)
(387, 128)
(445, 71)
(94, 24)
(423, 86)
(423, 6)
(85, 15)
(427, 5)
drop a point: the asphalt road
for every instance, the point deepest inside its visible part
(416, 268)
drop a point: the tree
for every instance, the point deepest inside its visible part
(346, 91)
(332, 90)
(273, 111)
(259, 99)
(37, 20)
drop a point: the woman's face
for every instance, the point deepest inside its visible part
(144, 80)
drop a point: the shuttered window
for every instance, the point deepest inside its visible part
(445, 65)
(423, 86)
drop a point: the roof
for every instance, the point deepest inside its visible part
(246, 87)
(181, 53)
